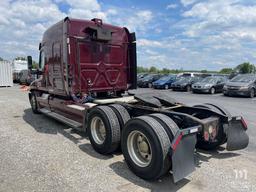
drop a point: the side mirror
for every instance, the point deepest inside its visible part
(29, 58)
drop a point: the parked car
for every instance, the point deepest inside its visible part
(189, 74)
(18, 65)
(203, 75)
(184, 83)
(211, 84)
(156, 134)
(26, 77)
(164, 82)
(225, 76)
(243, 85)
(141, 75)
(148, 80)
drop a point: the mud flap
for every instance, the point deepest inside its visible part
(183, 158)
(236, 135)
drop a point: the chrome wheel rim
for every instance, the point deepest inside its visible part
(212, 90)
(166, 87)
(139, 148)
(98, 130)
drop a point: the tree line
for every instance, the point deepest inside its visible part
(245, 67)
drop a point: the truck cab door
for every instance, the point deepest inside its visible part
(55, 70)
(43, 69)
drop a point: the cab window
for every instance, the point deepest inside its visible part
(41, 60)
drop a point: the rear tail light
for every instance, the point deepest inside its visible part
(206, 136)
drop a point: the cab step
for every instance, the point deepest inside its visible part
(61, 118)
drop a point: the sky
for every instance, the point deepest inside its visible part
(174, 34)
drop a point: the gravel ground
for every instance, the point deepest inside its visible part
(40, 154)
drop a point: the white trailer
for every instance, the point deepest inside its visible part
(18, 66)
(6, 74)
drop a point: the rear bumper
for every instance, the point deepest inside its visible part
(183, 145)
(196, 90)
(143, 85)
(158, 86)
(237, 92)
(234, 132)
(178, 88)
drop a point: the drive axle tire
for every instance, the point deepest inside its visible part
(103, 129)
(33, 103)
(121, 113)
(168, 124)
(145, 146)
(171, 129)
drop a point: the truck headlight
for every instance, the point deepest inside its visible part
(225, 87)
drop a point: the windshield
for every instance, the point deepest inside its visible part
(209, 80)
(187, 75)
(148, 77)
(183, 79)
(166, 78)
(141, 75)
(244, 78)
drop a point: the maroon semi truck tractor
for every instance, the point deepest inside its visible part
(86, 66)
